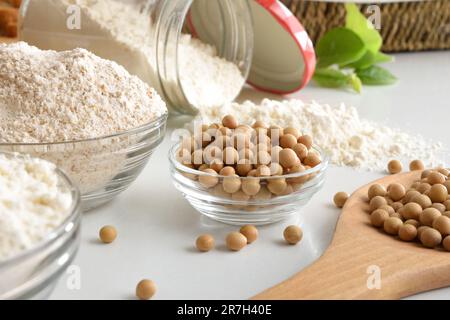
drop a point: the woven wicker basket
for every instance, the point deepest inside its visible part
(405, 26)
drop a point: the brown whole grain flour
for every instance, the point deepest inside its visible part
(49, 96)
(65, 97)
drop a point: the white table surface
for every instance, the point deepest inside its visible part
(157, 227)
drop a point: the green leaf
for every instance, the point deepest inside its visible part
(339, 46)
(335, 78)
(367, 60)
(375, 75)
(380, 57)
(331, 78)
(356, 83)
(358, 23)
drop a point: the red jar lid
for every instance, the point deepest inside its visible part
(283, 58)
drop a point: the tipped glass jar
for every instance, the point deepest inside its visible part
(196, 53)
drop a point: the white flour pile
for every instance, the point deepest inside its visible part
(124, 32)
(49, 96)
(32, 204)
(340, 132)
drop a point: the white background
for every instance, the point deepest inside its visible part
(157, 227)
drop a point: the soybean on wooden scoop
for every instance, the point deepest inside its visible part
(357, 251)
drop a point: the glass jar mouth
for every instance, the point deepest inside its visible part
(184, 169)
(235, 47)
(69, 224)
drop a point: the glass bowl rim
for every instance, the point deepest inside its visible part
(75, 214)
(322, 166)
(155, 123)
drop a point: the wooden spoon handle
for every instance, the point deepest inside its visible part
(331, 277)
(352, 272)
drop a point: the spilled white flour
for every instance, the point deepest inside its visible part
(124, 32)
(32, 204)
(340, 132)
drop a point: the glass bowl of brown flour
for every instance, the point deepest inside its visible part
(88, 115)
(100, 167)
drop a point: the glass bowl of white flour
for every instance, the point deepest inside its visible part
(39, 226)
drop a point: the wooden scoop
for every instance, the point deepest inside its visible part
(342, 272)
